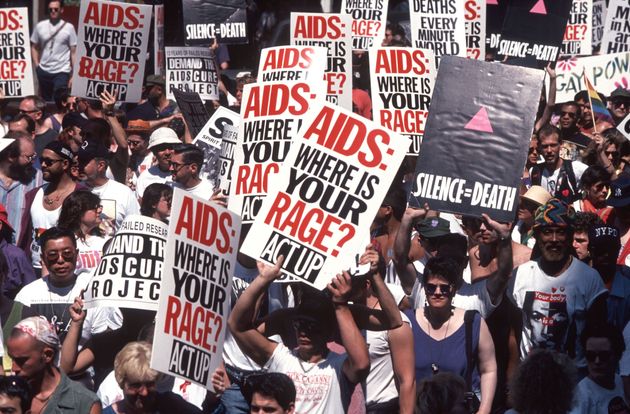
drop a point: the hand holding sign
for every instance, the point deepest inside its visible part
(504, 230)
(108, 100)
(340, 287)
(76, 311)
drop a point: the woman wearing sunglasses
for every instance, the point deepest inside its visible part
(440, 339)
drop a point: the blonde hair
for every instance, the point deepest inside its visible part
(132, 364)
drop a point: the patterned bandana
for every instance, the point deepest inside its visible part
(39, 328)
(554, 213)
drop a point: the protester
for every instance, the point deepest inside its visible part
(157, 109)
(35, 107)
(533, 198)
(595, 185)
(156, 202)
(270, 393)
(442, 393)
(619, 104)
(185, 164)
(161, 144)
(15, 395)
(581, 226)
(141, 158)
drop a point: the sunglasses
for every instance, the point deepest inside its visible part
(570, 114)
(617, 104)
(66, 255)
(133, 143)
(53, 9)
(48, 161)
(611, 153)
(305, 325)
(176, 166)
(472, 223)
(431, 288)
(604, 356)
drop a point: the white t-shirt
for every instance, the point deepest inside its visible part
(150, 176)
(90, 252)
(118, 201)
(516, 235)
(549, 181)
(473, 296)
(550, 305)
(591, 398)
(318, 386)
(42, 220)
(55, 54)
(203, 190)
(380, 386)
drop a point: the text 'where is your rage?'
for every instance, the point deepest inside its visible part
(13, 53)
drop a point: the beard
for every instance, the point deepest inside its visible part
(155, 100)
(23, 173)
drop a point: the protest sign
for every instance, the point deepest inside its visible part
(130, 272)
(579, 32)
(474, 148)
(533, 31)
(207, 20)
(624, 127)
(199, 261)
(226, 157)
(333, 31)
(369, 18)
(111, 49)
(599, 16)
(16, 69)
(439, 26)
(606, 73)
(292, 63)
(475, 18)
(495, 14)
(191, 69)
(158, 40)
(193, 110)
(617, 27)
(330, 186)
(271, 117)
(402, 83)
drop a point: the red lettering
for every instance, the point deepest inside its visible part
(252, 179)
(9, 20)
(112, 15)
(190, 324)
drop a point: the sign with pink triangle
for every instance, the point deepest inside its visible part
(539, 7)
(480, 122)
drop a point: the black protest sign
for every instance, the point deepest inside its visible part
(533, 31)
(193, 109)
(495, 10)
(476, 138)
(207, 20)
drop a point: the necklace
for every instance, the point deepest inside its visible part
(435, 368)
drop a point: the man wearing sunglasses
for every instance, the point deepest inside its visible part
(53, 49)
(185, 165)
(619, 104)
(573, 141)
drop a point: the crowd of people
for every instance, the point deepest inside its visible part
(449, 314)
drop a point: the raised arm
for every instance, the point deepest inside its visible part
(551, 102)
(109, 101)
(404, 268)
(498, 280)
(385, 297)
(253, 343)
(69, 350)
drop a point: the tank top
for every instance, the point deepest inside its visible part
(42, 220)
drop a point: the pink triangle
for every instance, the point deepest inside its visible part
(480, 122)
(539, 8)
(492, 2)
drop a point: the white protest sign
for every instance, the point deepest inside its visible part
(369, 18)
(475, 14)
(16, 68)
(111, 51)
(329, 188)
(624, 127)
(599, 17)
(191, 69)
(333, 31)
(226, 157)
(439, 26)
(292, 63)
(617, 27)
(402, 83)
(200, 258)
(130, 272)
(578, 34)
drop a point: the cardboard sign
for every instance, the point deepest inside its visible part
(191, 69)
(159, 66)
(200, 258)
(624, 127)
(207, 20)
(533, 31)
(16, 67)
(475, 17)
(271, 117)
(330, 187)
(111, 50)
(369, 18)
(474, 147)
(439, 26)
(402, 83)
(226, 157)
(605, 72)
(599, 16)
(333, 31)
(130, 272)
(617, 27)
(579, 32)
(193, 110)
(292, 63)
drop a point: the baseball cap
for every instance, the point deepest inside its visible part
(90, 150)
(163, 135)
(619, 192)
(432, 227)
(60, 149)
(73, 119)
(554, 212)
(155, 80)
(4, 218)
(620, 93)
(604, 238)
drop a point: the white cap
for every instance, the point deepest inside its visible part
(5, 142)
(163, 135)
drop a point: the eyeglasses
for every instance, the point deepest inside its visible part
(48, 161)
(32, 111)
(604, 356)
(176, 166)
(431, 288)
(53, 9)
(67, 255)
(30, 158)
(622, 102)
(472, 223)
(611, 153)
(570, 114)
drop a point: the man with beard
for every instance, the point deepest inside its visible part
(17, 176)
(619, 104)
(158, 110)
(556, 293)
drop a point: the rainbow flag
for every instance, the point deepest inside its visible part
(598, 109)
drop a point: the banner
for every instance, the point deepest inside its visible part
(579, 32)
(599, 16)
(617, 27)
(111, 49)
(439, 26)
(16, 67)
(330, 186)
(533, 31)
(475, 18)
(192, 108)
(130, 272)
(200, 259)
(159, 67)
(606, 72)
(474, 148)
(271, 117)
(191, 69)
(292, 63)
(331, 30)
(206, 20)
(402, 83)
(226, 157)
(369, 18)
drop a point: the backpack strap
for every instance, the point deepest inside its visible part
(535, 175)
(469, 317)
(568, 168)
